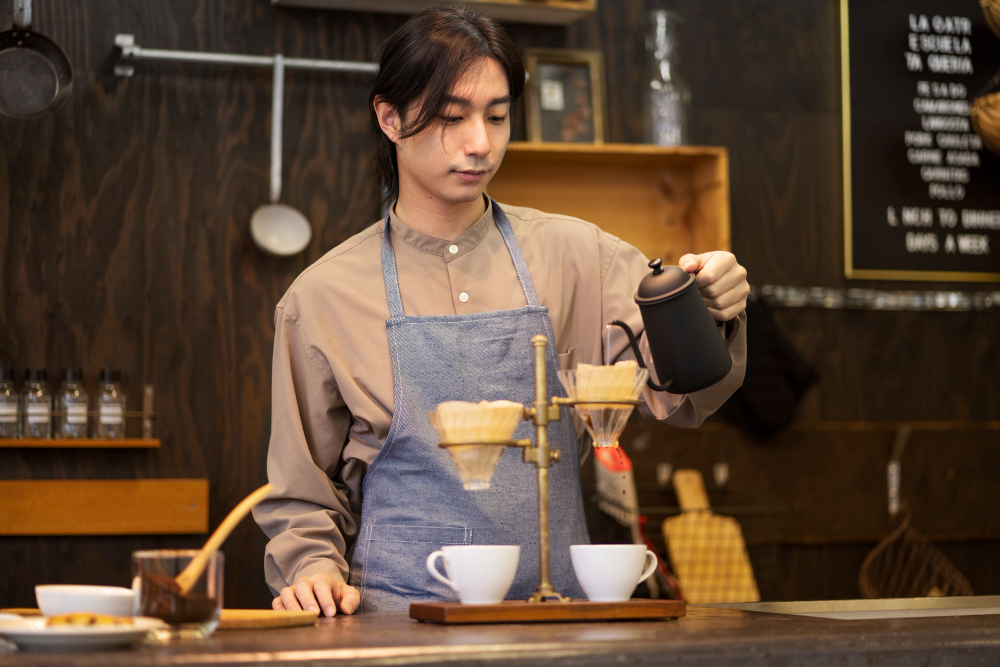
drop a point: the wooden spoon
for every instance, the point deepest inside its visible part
(185, 580)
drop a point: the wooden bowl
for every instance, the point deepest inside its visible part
(985, 113)
(991, 9)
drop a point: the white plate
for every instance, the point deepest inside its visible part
(32, 634)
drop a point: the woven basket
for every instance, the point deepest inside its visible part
(985, 113)
(991, 8)
(905, 565)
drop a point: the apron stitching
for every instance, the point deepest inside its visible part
(364, 568)
(519, 314)
(398, 406)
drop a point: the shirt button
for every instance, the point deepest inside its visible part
(463, 297)
(453, 249)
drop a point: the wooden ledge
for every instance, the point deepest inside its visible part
(104, 507)
(81, 443)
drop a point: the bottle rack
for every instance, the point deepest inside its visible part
(147, 414)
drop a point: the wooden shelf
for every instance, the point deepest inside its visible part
(664, 200)
(551, 12)
(81, 443)
(104, 507)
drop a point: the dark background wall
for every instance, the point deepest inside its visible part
(124, 226)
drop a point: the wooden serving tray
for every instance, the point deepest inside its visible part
(540, 612)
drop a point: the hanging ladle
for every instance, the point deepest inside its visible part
(279, 229)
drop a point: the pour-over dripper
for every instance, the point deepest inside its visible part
(604, 421)
(475, 464)
(475, 435)
(604, 397)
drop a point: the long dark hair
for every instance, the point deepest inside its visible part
(426, 56)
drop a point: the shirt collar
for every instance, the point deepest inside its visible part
(443, 247)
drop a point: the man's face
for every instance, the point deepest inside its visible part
(454, 158)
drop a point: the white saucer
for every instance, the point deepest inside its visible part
(32, 634)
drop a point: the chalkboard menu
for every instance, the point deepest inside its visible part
(922, 193)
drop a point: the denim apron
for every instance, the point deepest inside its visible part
(413, 500)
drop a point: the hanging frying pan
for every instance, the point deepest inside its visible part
(35, 76)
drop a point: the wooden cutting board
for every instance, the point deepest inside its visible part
(231, 619)
(256, 619)
(708, 552)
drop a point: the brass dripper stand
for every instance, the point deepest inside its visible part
(541, 412)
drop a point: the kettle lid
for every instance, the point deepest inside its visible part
(663, 283)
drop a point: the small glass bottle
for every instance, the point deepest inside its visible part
(36, 402)
(667, 98)
(71, 402)
(110, 406)
(9, 404)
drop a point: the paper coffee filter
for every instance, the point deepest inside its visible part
(464, 421)
(623, 381)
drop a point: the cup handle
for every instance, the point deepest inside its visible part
(432, 568)
(649, 568)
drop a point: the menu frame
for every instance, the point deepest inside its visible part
(850, 271)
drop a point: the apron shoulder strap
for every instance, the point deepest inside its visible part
(514, 248)
(389, 274)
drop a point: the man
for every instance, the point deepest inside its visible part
(439, 302)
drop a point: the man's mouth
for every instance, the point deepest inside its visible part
(471, 175)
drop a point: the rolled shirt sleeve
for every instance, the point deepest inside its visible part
(309, 516)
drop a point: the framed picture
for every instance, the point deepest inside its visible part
(565, 99)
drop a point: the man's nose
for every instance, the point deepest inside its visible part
(477, 141)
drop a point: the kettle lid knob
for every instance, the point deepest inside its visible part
(663, 283)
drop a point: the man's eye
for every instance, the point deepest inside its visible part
(498, 119)
(450, 120)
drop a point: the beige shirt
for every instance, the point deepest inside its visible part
(332, 384)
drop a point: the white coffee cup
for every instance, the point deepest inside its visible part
(610, 572)
(480, 574)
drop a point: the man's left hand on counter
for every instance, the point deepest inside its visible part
(721, 281)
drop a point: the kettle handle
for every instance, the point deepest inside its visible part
(634, 343)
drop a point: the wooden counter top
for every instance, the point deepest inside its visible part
(705, 637)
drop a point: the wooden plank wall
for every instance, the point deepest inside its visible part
(123, 220)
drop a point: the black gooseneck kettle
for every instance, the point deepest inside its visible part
(688, 352)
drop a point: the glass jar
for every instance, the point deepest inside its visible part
(10, 403)
(110, 406)
(71, 404)
(667, 97)
(36, 402)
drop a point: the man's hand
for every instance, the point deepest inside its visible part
(319, 591)
(721, 281)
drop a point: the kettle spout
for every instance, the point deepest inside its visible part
(634, 343)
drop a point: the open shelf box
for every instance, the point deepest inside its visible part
(666, 201)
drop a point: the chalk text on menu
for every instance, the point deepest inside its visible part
(944, 148)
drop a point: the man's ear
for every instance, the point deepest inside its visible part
(388, 119)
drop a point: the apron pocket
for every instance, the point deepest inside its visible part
(396, 562)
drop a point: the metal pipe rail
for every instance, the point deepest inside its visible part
(129, 53)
